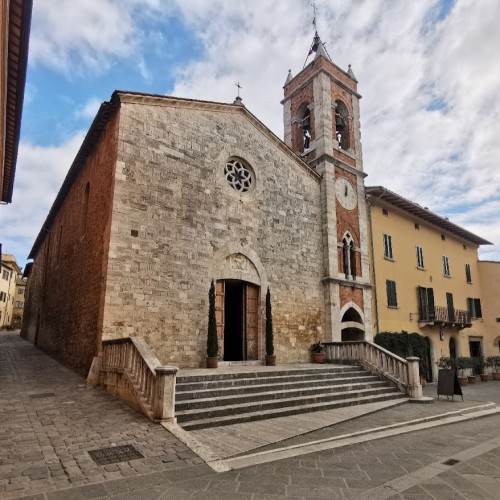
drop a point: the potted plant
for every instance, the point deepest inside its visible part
(318, 352)
(494, 362)
(480, 368)
(270, 356)
(212, 340)
(463, 364)
(444, 363)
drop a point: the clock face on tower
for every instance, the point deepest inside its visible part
(346, 194)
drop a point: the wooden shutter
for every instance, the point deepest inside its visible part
(252, 320)
(478, 313)
(219, 315)
(451, 308)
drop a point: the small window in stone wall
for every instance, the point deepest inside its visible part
(239, 175)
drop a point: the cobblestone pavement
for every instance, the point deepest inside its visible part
(49, 419)
(46, 438)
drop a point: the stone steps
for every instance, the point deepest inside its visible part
(227, 398)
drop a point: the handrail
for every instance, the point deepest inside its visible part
(402, 372)
(152, 384)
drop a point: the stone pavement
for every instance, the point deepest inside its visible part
(44, 442)
(49, 419)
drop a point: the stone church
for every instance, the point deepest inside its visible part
(166, 194)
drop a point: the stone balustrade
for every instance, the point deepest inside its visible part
(129, 369)
(404, 373)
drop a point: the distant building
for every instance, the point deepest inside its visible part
(15, 20)
(19, 299)
(9, 272)
(428, 278)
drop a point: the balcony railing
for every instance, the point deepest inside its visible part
(444, 316)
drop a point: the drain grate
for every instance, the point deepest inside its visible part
(42, 395)
(451, 461)
(114, 455)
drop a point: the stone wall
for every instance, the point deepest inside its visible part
(65, 290)
(176, 220)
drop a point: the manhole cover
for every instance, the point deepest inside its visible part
(42, 395)
(114, 455)
(451, 461)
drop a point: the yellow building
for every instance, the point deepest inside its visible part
(17, 312)
(426, 275)
(9, 271)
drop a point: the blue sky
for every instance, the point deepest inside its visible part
(428, 71)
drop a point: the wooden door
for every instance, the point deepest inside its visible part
(251, 321)
(219, 315)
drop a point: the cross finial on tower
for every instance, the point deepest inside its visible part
(313, 5)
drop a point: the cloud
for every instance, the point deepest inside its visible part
(89, 109)
(39, 175)
(80, 36)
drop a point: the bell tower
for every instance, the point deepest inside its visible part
(321, 123)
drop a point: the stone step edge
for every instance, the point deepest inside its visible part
(365, 435)
(213, 386)
(214, 401)
(290, 402)
(261, 374)
(286, 411)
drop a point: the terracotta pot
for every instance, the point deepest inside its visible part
(212, 361)
(472, 379)
(423, 382)
(270, 360)
(485, 377)
(463, 380)
(496, 376)
(318, 357)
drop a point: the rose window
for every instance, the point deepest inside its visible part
(239, 176)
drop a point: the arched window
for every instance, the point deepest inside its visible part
(349, 257)
(305, 125)
(341, 121)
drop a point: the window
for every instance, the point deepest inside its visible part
(385, 212)
(420, 257)
(468, 276)
(341, 122)
(349, 257)
(20, 291)
(426, 304)
(443, 237)
(392, 297)
(417, 226)
(446, 266)
(19, 305)
(5, 275)
(239, 176)
(388, 246)
(474, 307)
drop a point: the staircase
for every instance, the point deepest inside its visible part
(211, 400)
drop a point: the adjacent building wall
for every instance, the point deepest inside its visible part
(177, 224)
(489, 275)
(65, 290)
(403, 270)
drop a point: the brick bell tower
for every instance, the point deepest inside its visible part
(321, 118)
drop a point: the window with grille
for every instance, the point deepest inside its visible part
(446, 266)
(388, 246)
(420, 257)
(392, 297)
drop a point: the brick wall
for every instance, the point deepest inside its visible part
(65, 291)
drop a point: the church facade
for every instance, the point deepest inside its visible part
(167, 194)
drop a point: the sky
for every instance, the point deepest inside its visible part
(428, 71)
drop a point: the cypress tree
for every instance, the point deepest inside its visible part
(212, 340)
(269, 325)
